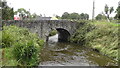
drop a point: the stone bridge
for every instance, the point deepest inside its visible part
(65, 28)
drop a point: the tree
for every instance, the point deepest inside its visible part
(100, 17)
(82, 16)
(111, 10)
(108, 11)
(118, 13)
(7, 12)
(86, 16)
(65, 15)
(74, 16)
(34, 15)
(58, 17)
(0, 3)
(22, 13)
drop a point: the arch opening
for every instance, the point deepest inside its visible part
(63, 35)
(52, 36)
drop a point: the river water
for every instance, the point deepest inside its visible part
(67, 54)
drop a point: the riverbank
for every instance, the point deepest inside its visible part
(100, 36)
(19, 47)
(69, 54)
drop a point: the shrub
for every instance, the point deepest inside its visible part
(25, 46)
(7, 39)
(80, 35)
(26, 53)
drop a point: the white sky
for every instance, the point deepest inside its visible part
(58, 7)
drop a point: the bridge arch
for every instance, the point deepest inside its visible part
(63, 35)
(65, 28)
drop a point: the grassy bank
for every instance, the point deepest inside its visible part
(19, 47)
(101, 36)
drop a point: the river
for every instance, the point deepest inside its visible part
(56, 53)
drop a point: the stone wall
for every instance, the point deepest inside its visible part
(43, 27)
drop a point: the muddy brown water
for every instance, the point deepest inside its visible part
(68, 54)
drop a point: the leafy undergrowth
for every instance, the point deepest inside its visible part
(101, 36)
(104, 38)
(7, 57)
(80, 35)
(20, 47)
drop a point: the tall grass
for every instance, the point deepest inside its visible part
(20, 46)
(104, 38)
(101, 36)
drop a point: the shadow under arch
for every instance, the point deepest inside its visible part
(63, 35)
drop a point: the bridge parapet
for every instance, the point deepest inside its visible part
(43, 27)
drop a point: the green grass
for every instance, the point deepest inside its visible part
(105, 23)
(8, 59)
(20, 46)
(105, 38)
(0, 37)
(99, 35)
(0, 57)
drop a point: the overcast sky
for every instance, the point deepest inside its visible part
(58, 7)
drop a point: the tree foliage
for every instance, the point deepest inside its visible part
(118, 13)
(58, 17)
(22, 13)
(108, 11)
(111, 9)
(74, 15)
(65, 15)
(34, 15)
(7, 12)
(100, 17)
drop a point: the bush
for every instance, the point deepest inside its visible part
(80, 35)
(11, 34)
(25, 46)
(26, 53)
(7, 39)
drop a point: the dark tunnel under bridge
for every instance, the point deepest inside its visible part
(63, 35)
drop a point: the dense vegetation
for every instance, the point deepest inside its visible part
(19, 47)
(82, 16)
(6, 11)
(118, 13)
(101, 36)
